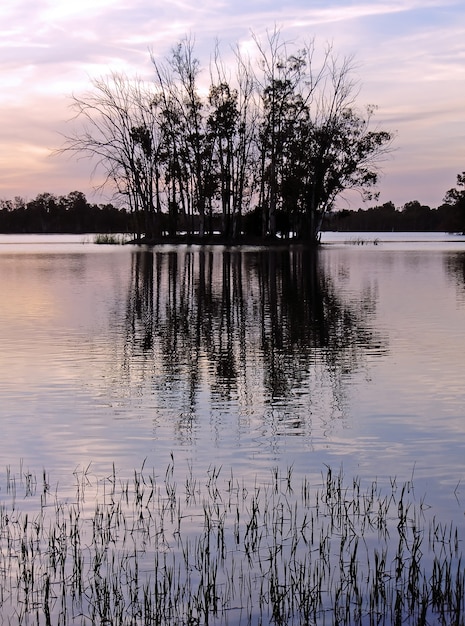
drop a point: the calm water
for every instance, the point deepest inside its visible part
(223, 373)
(248, 359)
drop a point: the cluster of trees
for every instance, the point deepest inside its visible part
(413, 216)
(48, 213)
(279, 137)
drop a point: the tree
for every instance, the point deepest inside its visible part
(232, 125)
(342, 155)
(454, 195)
(455, 199)
(284, 138)
(416, 216)
(222, 127)
(187, 143)
(119, 132)
(282, 75)
(314, 143)
(229, 132)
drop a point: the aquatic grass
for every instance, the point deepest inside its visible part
(361, 241)
(213, 549)
(110, 239)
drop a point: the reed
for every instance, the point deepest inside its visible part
(110, 239)
(360, 241)
(209, 550)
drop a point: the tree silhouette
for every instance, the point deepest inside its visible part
(285, 139)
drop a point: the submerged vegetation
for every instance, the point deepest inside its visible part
(216, 550)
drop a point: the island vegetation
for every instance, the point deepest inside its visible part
(266, 145)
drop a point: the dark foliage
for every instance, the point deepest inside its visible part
(48, 213)
(413, 216)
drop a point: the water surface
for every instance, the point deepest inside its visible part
(248, 358)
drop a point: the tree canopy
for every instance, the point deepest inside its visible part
(279, 138)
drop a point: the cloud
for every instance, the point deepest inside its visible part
(409, 54)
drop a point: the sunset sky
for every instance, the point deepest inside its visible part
(410, 57)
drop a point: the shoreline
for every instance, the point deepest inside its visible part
(219, 240)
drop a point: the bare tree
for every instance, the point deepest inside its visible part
(118, 131)
(197, 149)
(172, 128)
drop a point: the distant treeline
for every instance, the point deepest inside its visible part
(48, 213)
(413, 216)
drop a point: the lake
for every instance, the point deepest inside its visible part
(252, 360)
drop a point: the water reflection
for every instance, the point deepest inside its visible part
(455, 268)
(247, 358)
(247, 329)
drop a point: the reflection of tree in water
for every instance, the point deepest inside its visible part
(305, 320)
(455, 268)
(260, 327)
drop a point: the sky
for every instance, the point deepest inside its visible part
(409, 59)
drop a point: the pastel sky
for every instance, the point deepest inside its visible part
(410, 57)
